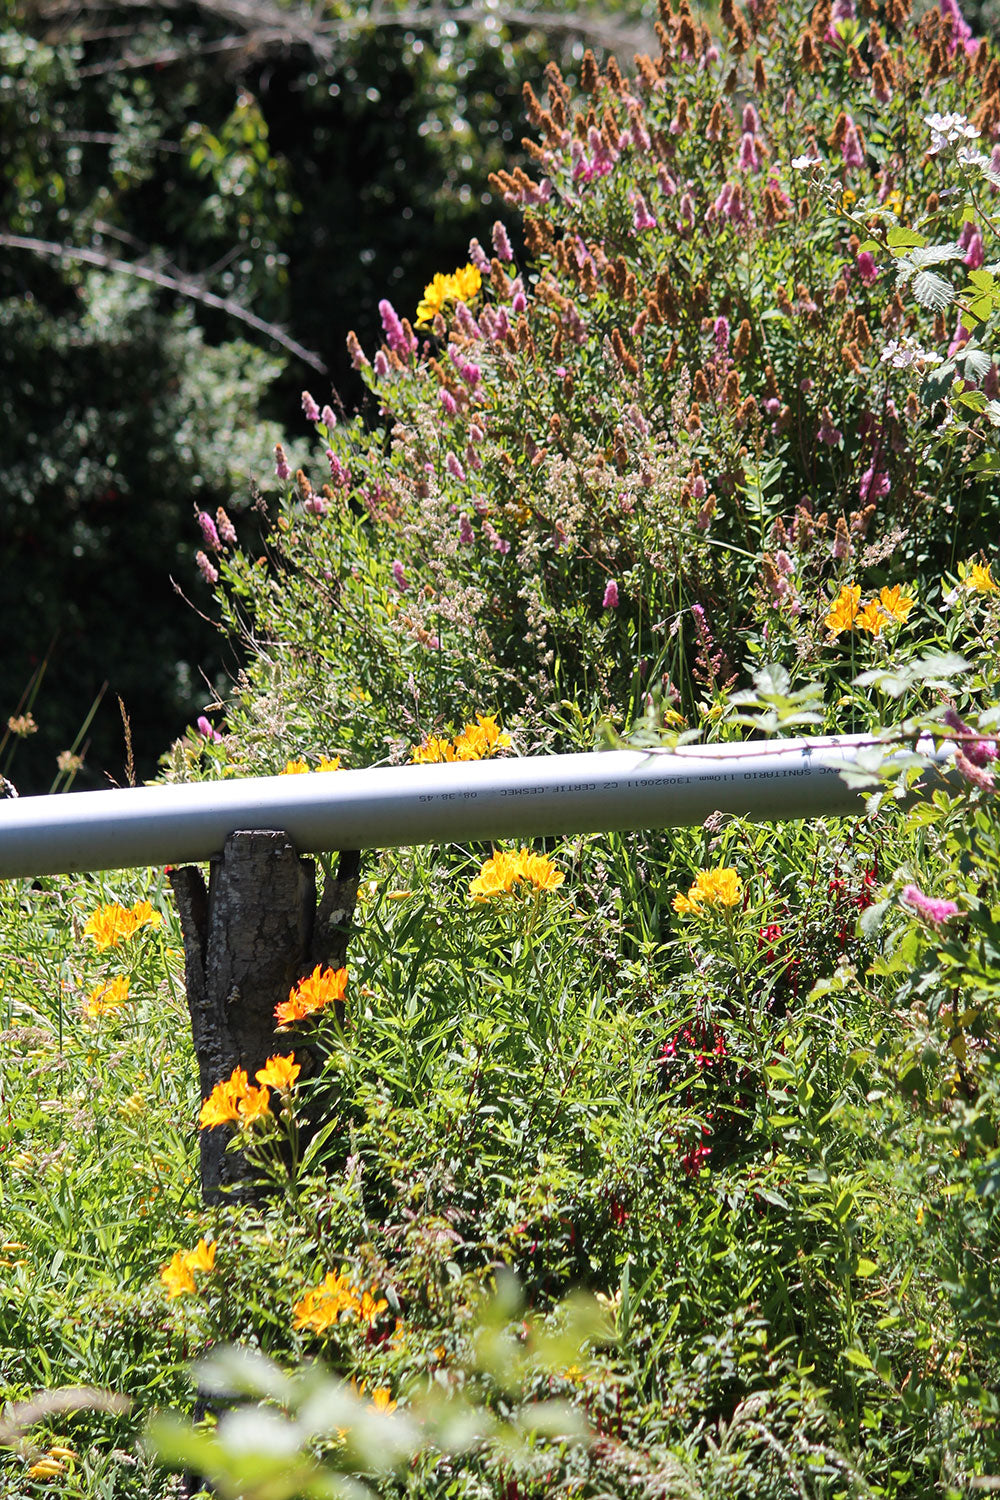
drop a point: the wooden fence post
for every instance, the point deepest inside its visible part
(248, 939)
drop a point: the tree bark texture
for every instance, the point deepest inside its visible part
(248, 939)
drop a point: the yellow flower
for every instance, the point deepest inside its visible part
(222, 1107)
(294, 768)
(720, 887)
(467, 283)
(322, 1305)
(202, 1257)
(848, 199)
(479, 740)
(369, 1307)
(255, 1104)
(894, 202)
(843, 609)
(437, 294)
(234, 1101)
(980, 579)
(47, 1468)
(462, 285)
(500, 874)
(279, 1072)
(176, 1275)
(382, 1399)
(895, 603)
(113, 924)
(321, 988)
(433, 749)
(108, 997)
(328, 763)
(871, 618)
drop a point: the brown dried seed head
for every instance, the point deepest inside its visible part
(589, 75)
(741, 343)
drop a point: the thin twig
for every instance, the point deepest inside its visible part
(184, 286)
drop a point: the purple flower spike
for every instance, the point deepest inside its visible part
(309, 407)
(209, 534)
(610, 595)
(931, 908)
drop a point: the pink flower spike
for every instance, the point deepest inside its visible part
(852, 153)
(610, 595)
(281, 468)
(479, 258)
(866, 267)
(454, 468)
(501, 243)
(448, 401)
(309, 407)
(466, 535)
(210, 574)
(399, 575)
(205, 729)
(931, 908)
(642, 219)
(209, 534)
(328, 419)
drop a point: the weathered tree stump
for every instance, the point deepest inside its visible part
(248, 939)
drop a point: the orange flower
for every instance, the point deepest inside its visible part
(843, 609)
(235, 1101)
(320, 1308)
(255, 1104)
(320, 988)
(108, 997)
(113, 924)
(176, 1275)
(871, 618)
(279, 1072)
(202, 1257)
(222, 1107)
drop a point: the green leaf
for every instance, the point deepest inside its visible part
(857, 1357)
(865, 1267)
(932, 290)
(901, 239)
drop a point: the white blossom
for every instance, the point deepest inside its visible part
(947, 129)
(903, 353)
(806, 163)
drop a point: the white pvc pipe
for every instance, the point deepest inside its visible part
(616, 791)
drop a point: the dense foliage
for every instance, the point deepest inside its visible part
(290, 162)
(718, 455)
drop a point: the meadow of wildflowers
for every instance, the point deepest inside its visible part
(717, 459)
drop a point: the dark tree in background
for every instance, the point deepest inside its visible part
(298, 162)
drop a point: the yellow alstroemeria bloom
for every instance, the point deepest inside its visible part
(432, 750)
(320, 1308)
(895, 603)
(980, 579)
(467, 282)
(113, 924)
(202, 1257)
(437, 294)
(108, 997)
(176, 1276)
(843, 609)
(279, 1073)
(720, 887)
(871, 618)
(328, 763)
(294, 768)
(504, 871)
(320, 988)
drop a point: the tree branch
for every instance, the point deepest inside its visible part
(183, 286)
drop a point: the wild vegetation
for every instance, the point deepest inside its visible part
(660, 1164)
